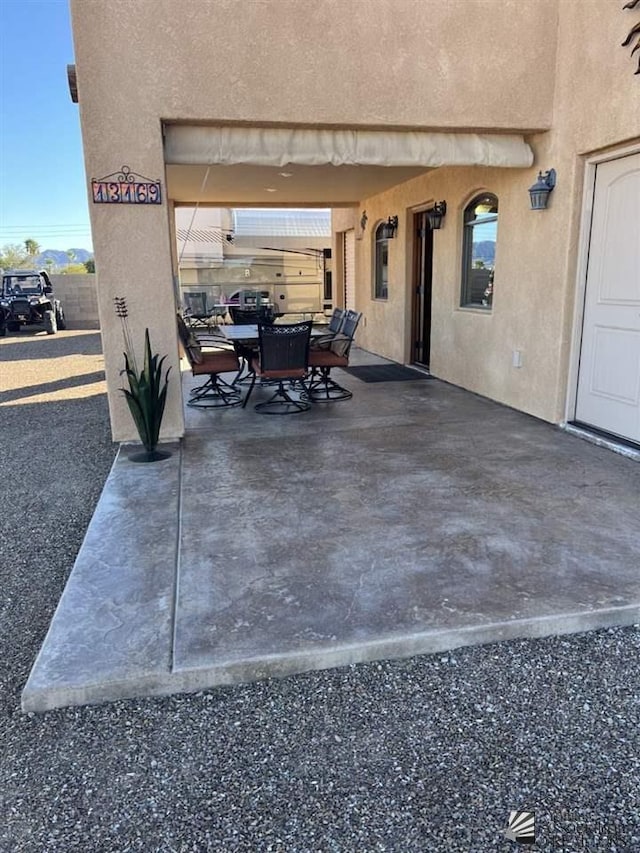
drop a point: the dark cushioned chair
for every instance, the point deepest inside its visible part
(216, 391)
(283, 359)
(334, 328)
(251, 316)
(322, 388)
(196, 312)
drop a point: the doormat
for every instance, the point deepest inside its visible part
(385, 373)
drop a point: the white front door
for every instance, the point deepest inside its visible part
(349, 269)
(609, 376)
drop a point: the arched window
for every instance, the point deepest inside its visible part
(480, 233)
(381, 287)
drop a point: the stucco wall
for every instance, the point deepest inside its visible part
(131, 242)
(78, 294)
(597, 95)
(464, 64)
(473, 347)
(418, 63)
(596, 106)
(294, 62)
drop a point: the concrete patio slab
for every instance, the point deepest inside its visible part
(414, 518)
(113, 626)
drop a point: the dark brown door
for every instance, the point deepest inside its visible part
(422, 282)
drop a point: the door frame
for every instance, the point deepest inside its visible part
(417, 270)
(584, 242)
(345, 281)
(409, 256)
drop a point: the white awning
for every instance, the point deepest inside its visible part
(258, 146)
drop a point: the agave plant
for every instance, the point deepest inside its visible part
(147, 392)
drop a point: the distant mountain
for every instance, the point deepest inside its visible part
(61, 258)
(485, 251)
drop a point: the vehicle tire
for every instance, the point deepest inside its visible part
(13, 327)
(50, 325)
(60, 319)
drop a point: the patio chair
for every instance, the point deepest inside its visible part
(334, 328)
(283, 358)
(241, 316)
(322, 388)
(196, 313)
(251, 316)
(216, 391)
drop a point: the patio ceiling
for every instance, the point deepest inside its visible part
(302, 186)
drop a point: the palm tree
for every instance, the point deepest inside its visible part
(32, 247)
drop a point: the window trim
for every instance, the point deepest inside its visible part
(380, 241)
(468, 226)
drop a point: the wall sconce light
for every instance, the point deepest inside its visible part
(363, 220)
(437, 214)
(539, 192)
(390, 227)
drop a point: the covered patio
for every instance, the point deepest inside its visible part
(415, 517)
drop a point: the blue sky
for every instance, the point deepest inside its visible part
(43, 190)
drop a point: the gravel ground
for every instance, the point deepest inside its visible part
(427, 754)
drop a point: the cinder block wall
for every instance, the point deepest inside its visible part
(78, 294)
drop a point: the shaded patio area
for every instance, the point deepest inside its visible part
(413, 518)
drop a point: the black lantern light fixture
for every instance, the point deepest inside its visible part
(390, 227)
(539, 192)
(437, 214)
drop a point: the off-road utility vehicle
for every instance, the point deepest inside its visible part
(26, 299)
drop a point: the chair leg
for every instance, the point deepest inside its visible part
(214, 394)
(282, 403)
(248, 394)
(244, 375)
(245, 356)
(323, 389)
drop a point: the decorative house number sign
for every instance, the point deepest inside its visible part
(125, 187)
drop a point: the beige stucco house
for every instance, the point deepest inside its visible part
(379, 110)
